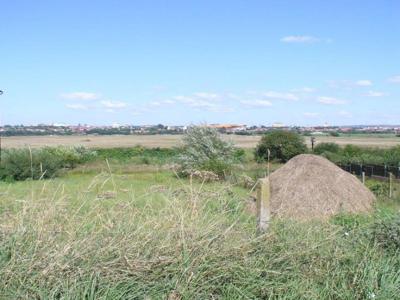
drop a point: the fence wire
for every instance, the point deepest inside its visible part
(372, 170)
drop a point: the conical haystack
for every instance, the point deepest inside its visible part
(310, 186)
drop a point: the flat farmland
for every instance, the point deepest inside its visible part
(168, 141)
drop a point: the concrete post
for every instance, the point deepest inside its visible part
(263, 205)
(390, 185)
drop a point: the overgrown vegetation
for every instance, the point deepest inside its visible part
(48, 162)
(204, 150)
(152, 236)
(386, 233)
(139, 154)
(283, 145)
(359, 155)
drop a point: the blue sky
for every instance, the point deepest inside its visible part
(181, 62)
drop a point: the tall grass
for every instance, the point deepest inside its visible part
(47, 162)
(157, 237)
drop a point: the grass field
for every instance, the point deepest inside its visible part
(167, 141)
(121, 230)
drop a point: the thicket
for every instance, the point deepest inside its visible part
(48, 162)
(359, 155)
(139, 154)
(282, 145)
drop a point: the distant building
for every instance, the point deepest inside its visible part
(278, 125)
(229, 127)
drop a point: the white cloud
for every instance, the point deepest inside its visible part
(330, 101)
(162, 103)
(280, 96)
(311, 114)
(136, 113)
(345, 113)
(76, 106)
(349, 84)
(201, 100)
(80, 96)
(363, 82)
(394, 79)
(113, 104)
(374, 94)
(299, 39)
(208, 96)
(305, 90)
(257, 103)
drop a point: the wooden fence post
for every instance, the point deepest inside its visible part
(363, 177)
(263, 205)
(390, 185)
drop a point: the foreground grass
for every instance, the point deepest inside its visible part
(149, 235)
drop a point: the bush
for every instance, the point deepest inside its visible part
(326, 147)
(386, 233)
(204, 150)
(22, 164)
(283, 145)
(334, 133)
(380, 189)
(69, 158)
(139, 154)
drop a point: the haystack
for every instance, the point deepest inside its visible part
(310, 186)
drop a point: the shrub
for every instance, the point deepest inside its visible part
(69, 157)
(204, 150)
(283, 145)
(386, 233)
(326, 147)
(334, 133)
(139, 154)
(380, 189)
(22, 164)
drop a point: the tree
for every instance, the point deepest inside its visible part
(204, 150)
(283, 145)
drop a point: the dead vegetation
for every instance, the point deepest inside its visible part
(310, 186)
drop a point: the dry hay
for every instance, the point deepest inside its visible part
(310, 186)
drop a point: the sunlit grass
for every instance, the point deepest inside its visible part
(147, 234)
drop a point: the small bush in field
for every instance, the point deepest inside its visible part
(380, 189)
(69, 157)
(386, 233)
(204, 150)
(326, 147)
(283, 145)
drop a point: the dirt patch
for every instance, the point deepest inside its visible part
(310, 186)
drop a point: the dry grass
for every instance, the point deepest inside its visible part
(168, 141)
(310, 186)
(152, 236)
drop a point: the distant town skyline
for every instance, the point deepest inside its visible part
(303, 63)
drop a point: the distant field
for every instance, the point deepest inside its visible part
(168, 141)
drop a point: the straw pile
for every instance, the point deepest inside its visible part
(310, 186)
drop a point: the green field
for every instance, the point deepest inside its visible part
(121, 229)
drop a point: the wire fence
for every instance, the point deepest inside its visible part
(382, 171)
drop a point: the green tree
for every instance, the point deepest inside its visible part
(283, 145)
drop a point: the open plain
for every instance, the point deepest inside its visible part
(169, 141)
